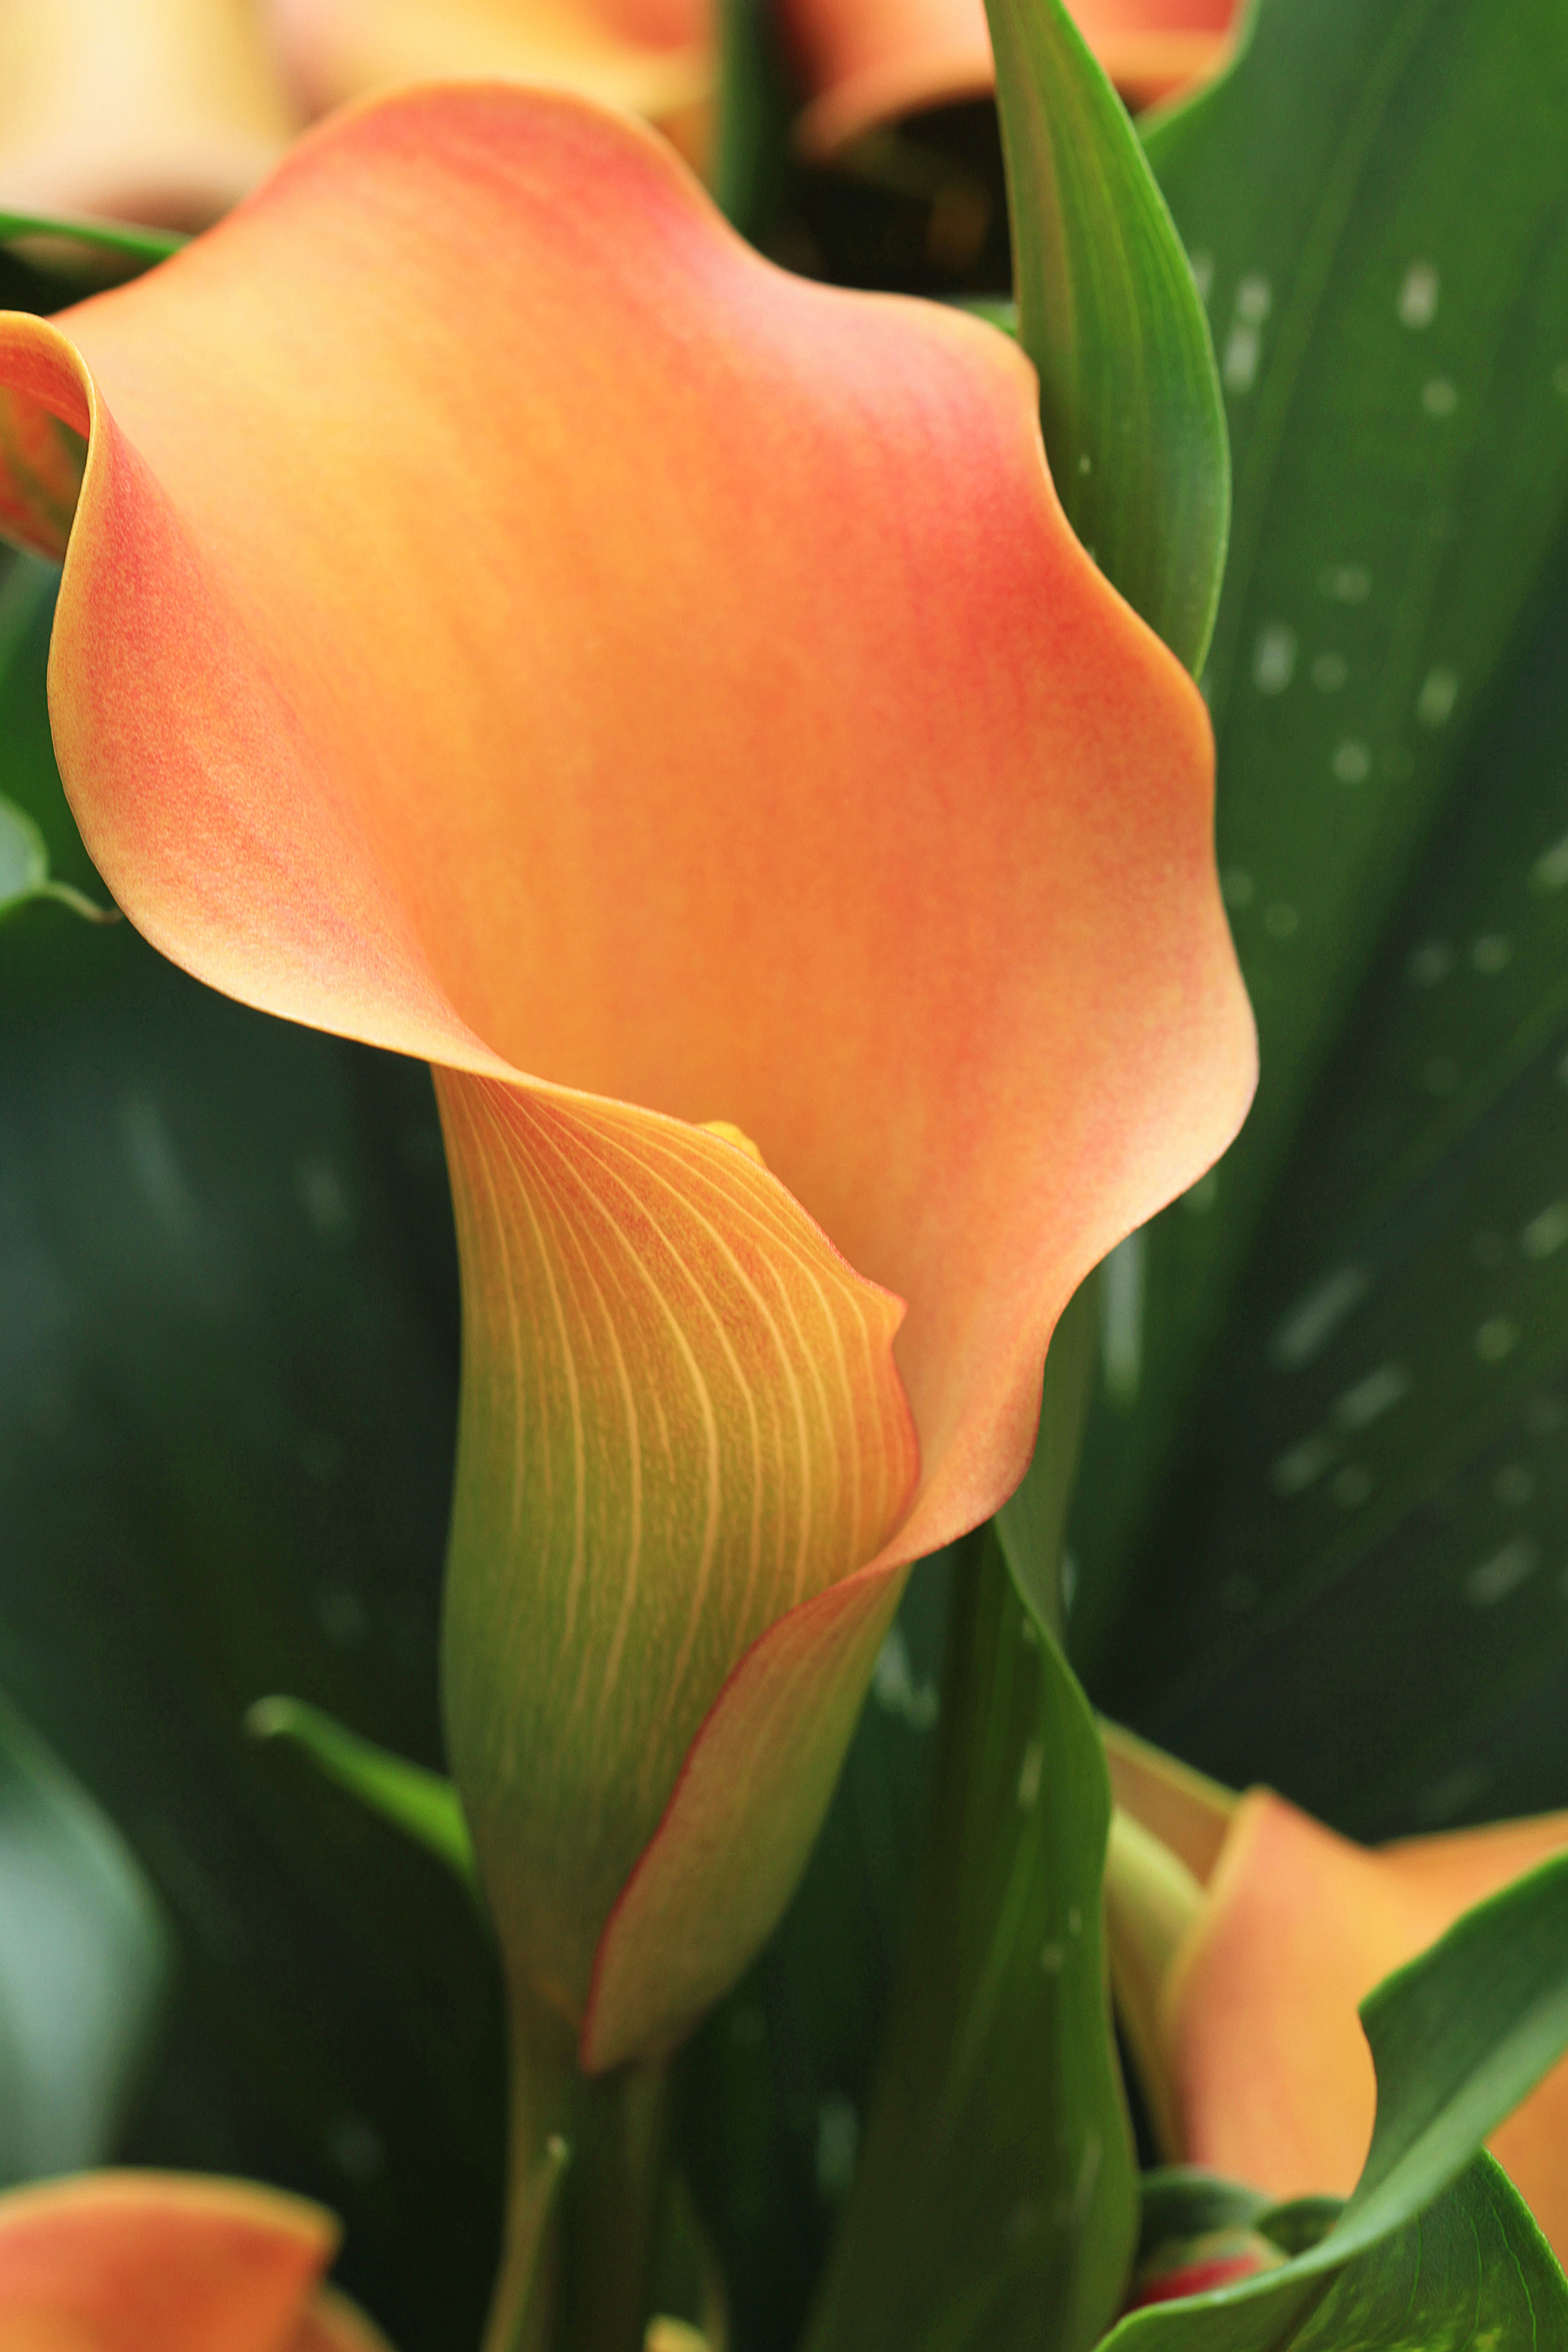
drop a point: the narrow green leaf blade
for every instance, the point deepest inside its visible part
(84, 1961)
(423, 1804)
(148, 244)
(996, 2199)
(1107, 311)
(1458, 2038)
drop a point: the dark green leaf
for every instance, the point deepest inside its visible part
(1108, 313)
(84, 1957)
(776, 2083)
(1181, 2202)
(1030, 1525)
(995, 2204)
(1374, 1275)
(27, 603)
(227, 1398)
(424, 1805)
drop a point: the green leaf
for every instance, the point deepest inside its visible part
(424, 1805)
(1108, 313)
(1179, 2201)
(1030, 1525)
(995, 2204)
(1474, 2275)
(228, 1368)
(27, 606)
(1433, 2241)
(776, 2086)
(84, 1957)
(146, 245)
(1458, 2038)
(1372, 1276)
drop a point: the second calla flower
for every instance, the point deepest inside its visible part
(506, 621)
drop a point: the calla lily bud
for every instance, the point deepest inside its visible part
(1241, 1994)
(865, 63)
(508, 621)
(124, 2261)
(1196, 2265)
(164, 111)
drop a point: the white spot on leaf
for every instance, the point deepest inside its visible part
(1274, 658)
(1439, 692)
(1311, 1323)
(1417, 303)
(1503, 1573)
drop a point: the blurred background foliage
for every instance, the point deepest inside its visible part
(1321, 1535)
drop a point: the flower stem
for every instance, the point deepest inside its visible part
(587, 2164)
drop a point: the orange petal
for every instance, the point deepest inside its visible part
(155, 111)
(652, 57)
(1272, 2076)
(1153, 49)
(123, 2261)
(508, 621)
(866, 62)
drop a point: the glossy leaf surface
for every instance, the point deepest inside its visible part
(1108, 313)
(996, 2199)
(228, 1364)
(84, 1960)
(1375, 1276)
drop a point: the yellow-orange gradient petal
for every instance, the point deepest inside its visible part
(1271, 2072)
(683, 1421)
(164, 111)
(508, 621)
(147, 2261)
(654, 57)
(867, 62)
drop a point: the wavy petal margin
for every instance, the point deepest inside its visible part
(127, 2260)
(656, 59)
(508, 621)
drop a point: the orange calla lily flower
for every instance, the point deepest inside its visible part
(1241, 1960)
(656, 59)
(123, 2261)
(867, 62)
(164, 111)
(506, 620)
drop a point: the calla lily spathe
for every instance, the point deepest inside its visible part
(1241, 1987)
(867, 62)
(164, 111)
(656, 59)
(508, 621)
(149, 2261)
